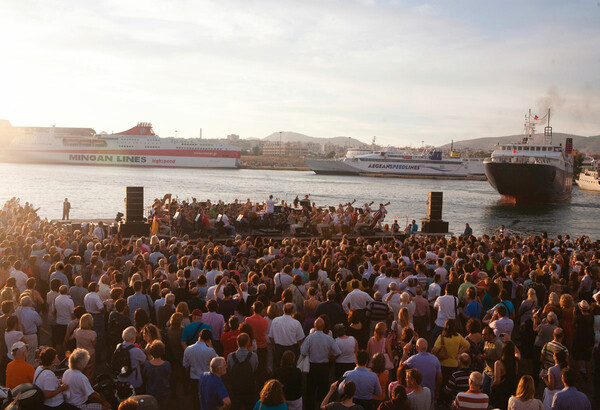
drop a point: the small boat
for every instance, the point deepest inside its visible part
(588, 179)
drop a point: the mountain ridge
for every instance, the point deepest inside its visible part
(290, 136)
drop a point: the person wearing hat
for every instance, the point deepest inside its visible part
(18, 371)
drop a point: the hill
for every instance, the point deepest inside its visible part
(288, 136)
(584, 144)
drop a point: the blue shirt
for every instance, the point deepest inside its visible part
(212, 391)
(197, 358)
(318, 346)
(570, 398)
(473, 310)
(429, 366)
(192, 329)
(282, 406)
(136, 301)
(367, 383)
(155, 377)
(29, 319)
(59, 275)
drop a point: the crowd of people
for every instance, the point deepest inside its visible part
(465, 322)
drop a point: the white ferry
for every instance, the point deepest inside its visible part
(423, 163)
(137, 147)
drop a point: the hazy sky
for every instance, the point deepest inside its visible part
(405, 71)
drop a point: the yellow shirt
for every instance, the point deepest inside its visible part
(453, 344)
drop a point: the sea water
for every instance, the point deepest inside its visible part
(99, 192)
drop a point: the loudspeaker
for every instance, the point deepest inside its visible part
(434, 205)
(134, 228)
(75, 227)
(134, 211)
(436, 226)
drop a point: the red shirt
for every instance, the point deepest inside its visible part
(229, 342)
(17, 372)
(259, 326)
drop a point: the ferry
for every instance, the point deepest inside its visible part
(422, 163)
(136, 147)
(588, 179)
(533, 169)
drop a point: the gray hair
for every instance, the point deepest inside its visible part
(129, 334)
(216, 363)
(26, 301)
(79, 359)
(170, 299)
(476, 378)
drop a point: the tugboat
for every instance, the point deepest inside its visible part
(534, 169)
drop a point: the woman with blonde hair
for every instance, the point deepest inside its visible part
(380, 344)
(182, 307)
(271, 397)
(567, 321)
(523, 399)
(86, 339)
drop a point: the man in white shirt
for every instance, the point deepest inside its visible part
(94, 306)
(500, 324)
(99, 231)
(63, 308)
(270, 205)
(284, 278)
(19, 276)
(446, 306)
(435, 290)
(357, 299)
(441, 271)
(285, 333)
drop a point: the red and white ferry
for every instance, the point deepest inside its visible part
(137, 147)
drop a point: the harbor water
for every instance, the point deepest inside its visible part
(99, 192)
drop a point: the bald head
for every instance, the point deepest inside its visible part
(319, 324)
(421, 345)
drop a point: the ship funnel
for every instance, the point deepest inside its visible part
(569, 146)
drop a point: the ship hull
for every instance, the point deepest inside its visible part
(331, 167)
(145, 158)
(415, 169)
(527, 183)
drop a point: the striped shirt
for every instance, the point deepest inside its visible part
(470, 400)
(548, 353)
(458, 382)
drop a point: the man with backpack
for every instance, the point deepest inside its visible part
(241, 368)
(128, 359)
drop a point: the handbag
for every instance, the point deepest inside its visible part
(393, 336)
(442, 352)
(303, 364)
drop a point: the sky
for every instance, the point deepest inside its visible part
(403, 71)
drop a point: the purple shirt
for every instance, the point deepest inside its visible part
(429, 366)
(216, 323)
